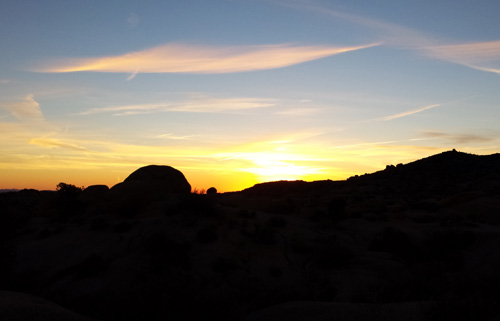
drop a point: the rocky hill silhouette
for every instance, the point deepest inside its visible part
(411, 242)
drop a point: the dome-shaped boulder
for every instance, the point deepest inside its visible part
(94, 193)
(166, 178)
(146, 186)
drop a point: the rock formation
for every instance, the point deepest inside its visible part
(147, 185)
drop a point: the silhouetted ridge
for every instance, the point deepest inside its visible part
(420, 238)
(444, 173)
(440, 174)
(280, 188)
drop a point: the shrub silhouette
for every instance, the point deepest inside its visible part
(68, 203)
(212, 190)
(198, 204)
(68, 191)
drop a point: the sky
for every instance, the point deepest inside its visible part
(238, 92)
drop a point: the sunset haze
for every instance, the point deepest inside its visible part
(238, 92)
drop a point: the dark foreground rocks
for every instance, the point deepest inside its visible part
(385, 246)
(16, 306)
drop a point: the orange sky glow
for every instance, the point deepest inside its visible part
(234, 93)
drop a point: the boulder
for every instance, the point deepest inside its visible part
(145, 186)
(165, 177)
(94, 193)
(156, 179)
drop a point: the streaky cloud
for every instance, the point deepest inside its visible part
(183, 58)
(300, 112)
(477, 55)
(52, 142)
(365, 144)
(133, 75)
(458, 138)
(172, 136)
(471, 52)
(388, 33)
(25, 109)
(199, 105)
(410, 112)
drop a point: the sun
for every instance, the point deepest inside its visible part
(272, 169)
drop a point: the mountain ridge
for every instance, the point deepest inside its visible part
(419, 239)
(452, 167)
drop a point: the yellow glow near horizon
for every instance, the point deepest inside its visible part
(44, 162)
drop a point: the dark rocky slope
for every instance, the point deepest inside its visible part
(420, 239)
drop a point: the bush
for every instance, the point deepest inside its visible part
(67, 200)
(396, 242)
(68, 191)
(198, 204)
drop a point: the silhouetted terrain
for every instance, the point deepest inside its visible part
(419, 241)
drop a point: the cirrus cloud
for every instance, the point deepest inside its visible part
(201, 104)
(483, 56)
(183, 58)
(410, 112)
(26, 109)
(52, 142)
(461, 138)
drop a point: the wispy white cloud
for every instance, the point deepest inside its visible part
(182, 58)
(25, 109)
(483, 56)
(133, 75)
(458, 138)
(362, 145)
(299, 111)
(53, 142)
(175, 137)
(4, 81)
(386, 32)
(410, 112)
(198, 105)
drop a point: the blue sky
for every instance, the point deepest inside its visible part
(237, 92)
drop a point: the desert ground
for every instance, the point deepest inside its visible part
(417, 241)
